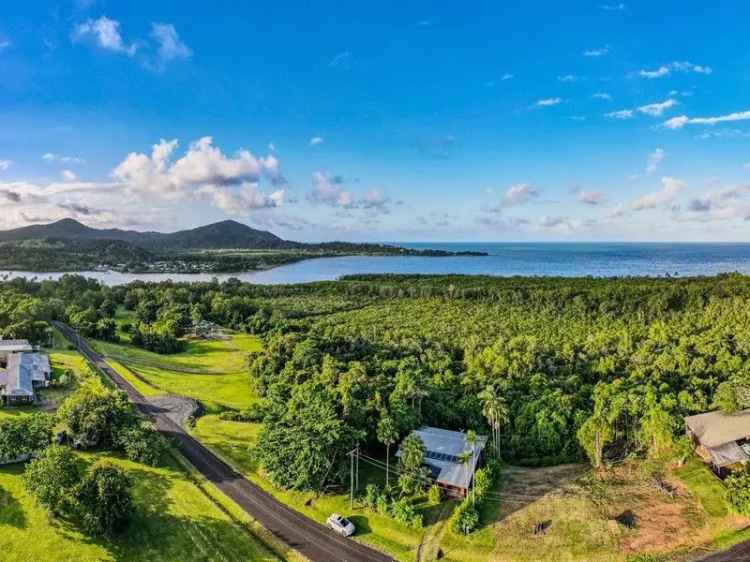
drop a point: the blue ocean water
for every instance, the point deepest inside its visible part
(503, 259)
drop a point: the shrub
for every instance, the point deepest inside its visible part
(141, 443)
(465, 518)
(405, 513)
(94, 415)
(26, 435)
(434, 495)
(738, 492)
(104, 499)
(253, 414)
(482, 481)
(372, 493)
(382, 505)
(52, 477)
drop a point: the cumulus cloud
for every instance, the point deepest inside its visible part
(590, 197)
(671, 188)
(68, 175)
(229, 183)
(654, 159)
(621, 114)
(5, 165)
(329, 190)
(682, 120)
(600, 52)
(105, 33)
(656, 109)
(315, 141)
(548, 102)
(722, 205)
(62, 159)
(613, 7)
(602, 96)
(568, 78)
(507, 76)
(680, 66)
(519, 194)
(170, 46)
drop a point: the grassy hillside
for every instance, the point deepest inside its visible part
(175, 520)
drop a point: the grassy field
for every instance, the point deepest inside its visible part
(214, 372)
(174, 520)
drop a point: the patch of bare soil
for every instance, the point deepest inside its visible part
(177, 408)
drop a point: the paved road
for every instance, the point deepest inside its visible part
(311, 539)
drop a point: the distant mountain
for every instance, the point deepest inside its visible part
(218, 236)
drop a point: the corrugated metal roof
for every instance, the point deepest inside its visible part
(727, 454)
(714, 429)
(443, 449)
(11, 346)
(18, 377)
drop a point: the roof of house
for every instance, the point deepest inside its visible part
(11, 346)
(728, 454)
(714, 429)
(18, 377)
(443, 449)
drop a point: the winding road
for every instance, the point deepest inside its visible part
(313, 540)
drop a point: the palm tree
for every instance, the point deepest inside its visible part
(495, 410)
(387, 434)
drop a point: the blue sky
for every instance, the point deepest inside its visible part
(380, 121)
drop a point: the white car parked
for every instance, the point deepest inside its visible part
(341, 525)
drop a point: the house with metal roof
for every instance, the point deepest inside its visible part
(14, 346)
(721, 439)
(451, 460)
(22, 375)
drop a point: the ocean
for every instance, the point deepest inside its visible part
(504, 259)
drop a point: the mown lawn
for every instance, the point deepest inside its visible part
(214, 372)
(174, 520)
(234, 441)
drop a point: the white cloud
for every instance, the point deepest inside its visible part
(602, 96)
(590, 197)
(171, 47)
(613, 7)
(68, 175)
(341, 60)
(682, 120)
(507, 76)
(680, 66)
(600, 52)
(105, 33)
(5, 44)
(654, 159)
(315, 141)
(621, 114)
(722, 205)
(568, 78)
(62, 159)
(329, 190)
(5, 164)
(548, 102)
(230, 183)
(519, 194)
(656, 109)
(671, 188)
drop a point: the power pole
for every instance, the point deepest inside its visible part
(351, 480)
(357, 473)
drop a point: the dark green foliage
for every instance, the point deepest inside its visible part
(95, 416)
(253, 414)
(465, 517)
(738, 491)
(305, 441)
(141, 443)
(52, 479)
(104, 499)
(405, 513)
(413, 475)
(25, 435)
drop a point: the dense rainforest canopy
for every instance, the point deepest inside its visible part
(556, 368)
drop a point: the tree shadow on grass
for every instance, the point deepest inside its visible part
(11, 511)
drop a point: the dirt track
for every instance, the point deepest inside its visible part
(314, 541)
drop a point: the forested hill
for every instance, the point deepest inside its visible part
(224, 235)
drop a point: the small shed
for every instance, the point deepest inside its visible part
(720, 438)
(444, 450)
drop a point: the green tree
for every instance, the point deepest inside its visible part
(104, 499)
(387, 434)
(495, 410)
(95, 415)
(52, 477)
(413, 474)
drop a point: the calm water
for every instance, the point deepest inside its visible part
(505, 259)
